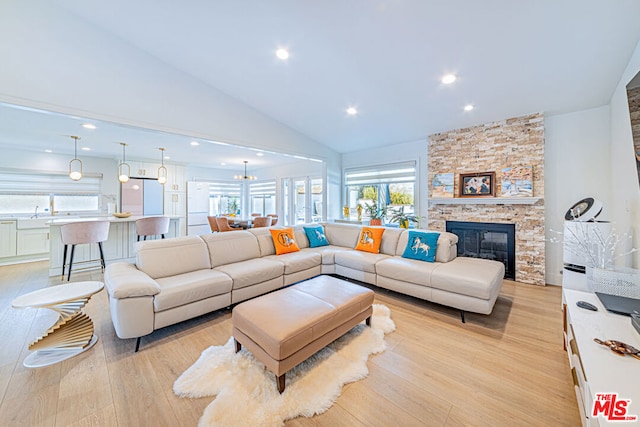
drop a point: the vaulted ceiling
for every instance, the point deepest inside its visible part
(384, 57)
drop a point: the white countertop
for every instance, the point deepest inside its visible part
(62, 220)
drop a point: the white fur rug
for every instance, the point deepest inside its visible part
(246, 393)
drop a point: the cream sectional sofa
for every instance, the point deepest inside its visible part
(180, 278)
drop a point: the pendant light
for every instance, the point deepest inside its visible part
(245, 176)
(124, 171)
(162, 171)
(75, 165)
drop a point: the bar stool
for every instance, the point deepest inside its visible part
(79, 233)
(152, 226)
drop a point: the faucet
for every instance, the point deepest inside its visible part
(35, 215)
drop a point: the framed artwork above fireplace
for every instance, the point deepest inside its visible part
(479, 184)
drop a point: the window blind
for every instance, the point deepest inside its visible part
(381, 174)
(225, 188)
(264, 188)
(47, 183)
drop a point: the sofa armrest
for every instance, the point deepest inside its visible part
(124, 280)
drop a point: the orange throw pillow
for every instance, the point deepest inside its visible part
(370, 239)
(283, 240)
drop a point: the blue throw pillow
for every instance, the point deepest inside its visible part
(421, 246)
(316, 236)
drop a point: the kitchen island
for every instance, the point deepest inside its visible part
(120, 246)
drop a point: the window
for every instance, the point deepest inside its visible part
(224, 198)
(263, 197)
(391, 185)
(21, 192)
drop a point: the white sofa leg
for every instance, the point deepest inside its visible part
(462, 316)
(137, 344)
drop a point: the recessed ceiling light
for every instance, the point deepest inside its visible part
(260, 153)
(468, 107)
(89, 126)
(448, 79)
(223, 164)
(194, 143)
(86, 149)
(48, 151)
(282, 54)
(352, 111)
(167, 157)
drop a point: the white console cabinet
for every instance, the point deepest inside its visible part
(595, 368)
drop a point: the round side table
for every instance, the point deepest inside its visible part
(73, 333)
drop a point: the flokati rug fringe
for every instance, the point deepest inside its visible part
(246, 392)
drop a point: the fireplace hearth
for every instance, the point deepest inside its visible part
(488, 241)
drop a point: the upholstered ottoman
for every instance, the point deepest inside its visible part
(284, 328)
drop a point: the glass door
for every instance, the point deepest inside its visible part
(300, 202)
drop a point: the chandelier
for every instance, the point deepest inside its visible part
(245, 176)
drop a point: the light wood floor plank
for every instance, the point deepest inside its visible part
(508, 368)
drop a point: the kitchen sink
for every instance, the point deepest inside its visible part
(26, 223)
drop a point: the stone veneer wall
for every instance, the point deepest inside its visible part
(490, 147)
(633, 96)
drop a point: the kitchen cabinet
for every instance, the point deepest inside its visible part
(7, 238)
(33, 241)
(144, 169)
(175, 205)
(176, 179)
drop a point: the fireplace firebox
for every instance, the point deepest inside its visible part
(487, 240)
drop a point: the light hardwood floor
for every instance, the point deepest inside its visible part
(508, 368)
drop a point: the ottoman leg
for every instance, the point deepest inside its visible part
(281, 383)
(368, 321)
(238, 345)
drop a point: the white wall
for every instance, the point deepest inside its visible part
(50, 162)
(55, 61)
(576, 166)
(402, 152)
(625, 192)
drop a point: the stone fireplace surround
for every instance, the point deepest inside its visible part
(491, 147)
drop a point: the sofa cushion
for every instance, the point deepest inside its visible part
(406, 270)
(284, 241)
(300, 236)
(298, 261)
(468, 276)
(345, 235)
(170, 257)
(370, 239)
(190, 287)
(316, 236)
(252, 272)
(390, 239)
(227, 248)
(446, 249)
(421, 246)
(359, 260)
(328, 253)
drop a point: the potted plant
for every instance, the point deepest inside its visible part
(375, 213)
(403, 219)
